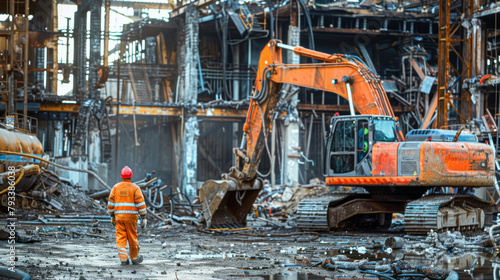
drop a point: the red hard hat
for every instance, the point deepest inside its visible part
(126, 173)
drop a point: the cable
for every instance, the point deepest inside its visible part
(17, 181)
(236, 231)
(58, 165)
(263, 88)
(309, 24)
(316, 235)
(271, 20)
(230, 229)
(224, 54)
(233, 42)
(378, 274)
(265, 141)
(15, 274)
(277, 16)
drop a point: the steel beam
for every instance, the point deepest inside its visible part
(134, 4)
(463, 69)
(443, 57)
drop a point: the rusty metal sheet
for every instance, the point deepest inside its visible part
(385, 159)
(457, 164)
(21, 142)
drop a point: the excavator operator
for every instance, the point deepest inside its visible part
(125, 203)
(362, 143)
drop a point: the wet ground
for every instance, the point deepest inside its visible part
(183, 252)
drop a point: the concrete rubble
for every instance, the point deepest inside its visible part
(188, 252)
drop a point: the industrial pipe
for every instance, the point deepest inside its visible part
(58, 165)
(16, 182)
(105, 193)
(101, 194)
(40, 194)
(394, 242)
(16, 274)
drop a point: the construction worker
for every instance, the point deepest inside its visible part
(125, 203)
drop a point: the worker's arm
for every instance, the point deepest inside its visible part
(111, 206)
(141, 205)
(111, 203)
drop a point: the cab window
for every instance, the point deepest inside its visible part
(385, 131)
(342, 155)
(343, 139)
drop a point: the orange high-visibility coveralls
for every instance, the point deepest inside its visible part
(125, 203)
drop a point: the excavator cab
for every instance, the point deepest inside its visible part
(350, 142)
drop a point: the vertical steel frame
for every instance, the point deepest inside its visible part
(447, 42)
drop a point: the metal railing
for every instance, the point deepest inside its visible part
(30, 126)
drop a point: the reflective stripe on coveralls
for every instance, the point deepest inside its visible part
(122, 253)
(125, 203)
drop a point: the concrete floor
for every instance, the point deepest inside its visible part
(183, 252)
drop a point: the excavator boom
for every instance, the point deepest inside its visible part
(392, 172)
(228, 201)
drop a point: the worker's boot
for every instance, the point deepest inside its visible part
(139, 259)
(125, 262)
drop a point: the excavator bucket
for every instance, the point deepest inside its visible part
(224, 205)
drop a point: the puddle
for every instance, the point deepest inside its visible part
(284, 276)
(469, 265)
(484, 269)
(188, 255)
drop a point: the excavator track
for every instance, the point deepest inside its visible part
(346, 211)
(447, 212)
(312, 213)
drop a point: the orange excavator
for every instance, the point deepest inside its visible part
(365, 150)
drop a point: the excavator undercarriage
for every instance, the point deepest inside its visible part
(345, 212)
(465, 213)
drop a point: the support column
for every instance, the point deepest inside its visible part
(80, 39)
(185, 144)
(58, 138)
(290, 128)
(191, 133)
(26, 62)
(107, 11)
(443, 57)
(478, 63)
(465, 105)
(55, 29)
(95, 48)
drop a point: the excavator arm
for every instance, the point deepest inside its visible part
(228, 201)
(337, 74)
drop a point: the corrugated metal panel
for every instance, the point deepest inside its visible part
(215, 149)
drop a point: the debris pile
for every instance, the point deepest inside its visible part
(282, 201)
(44, 191)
